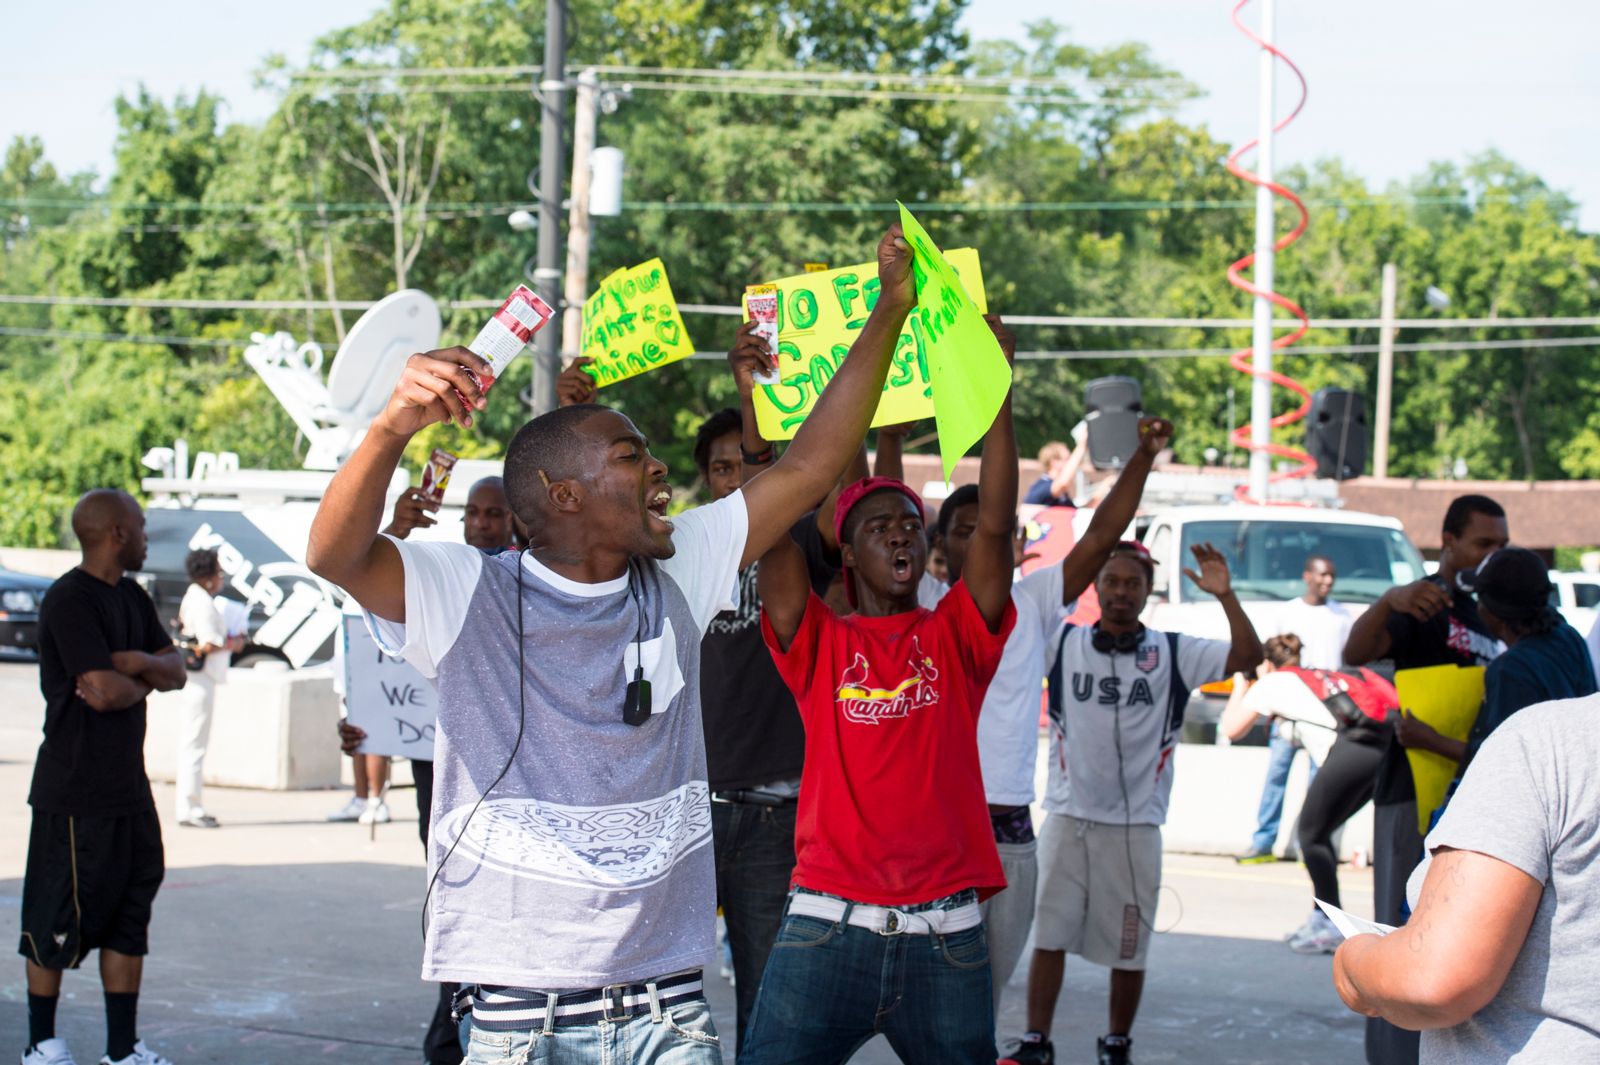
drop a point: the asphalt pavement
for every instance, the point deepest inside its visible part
(281, 938)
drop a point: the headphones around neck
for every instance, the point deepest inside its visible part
(1111, 643)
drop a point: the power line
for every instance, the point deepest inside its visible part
(1067, 356)
(733, 310)
(714, 73)
(383, 212)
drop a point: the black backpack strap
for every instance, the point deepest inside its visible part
(1057, 682)
(1178, 692)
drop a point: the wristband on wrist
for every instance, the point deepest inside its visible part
(759, 458)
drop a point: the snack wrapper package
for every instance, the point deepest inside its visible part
(761, 307)
(503, 336)
(436, 475)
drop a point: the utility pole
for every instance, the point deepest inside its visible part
(1380, 443)
(583, 120)
(1261, 334)
(552, 151)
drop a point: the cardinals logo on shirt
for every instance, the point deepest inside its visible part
(867, 705)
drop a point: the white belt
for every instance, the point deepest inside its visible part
(886, 920)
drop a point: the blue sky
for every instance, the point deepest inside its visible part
(1394, 85)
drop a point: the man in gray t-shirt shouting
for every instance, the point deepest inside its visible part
(570, 862)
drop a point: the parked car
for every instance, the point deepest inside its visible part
(1577, 596)
(1266, 549)
(20, 596)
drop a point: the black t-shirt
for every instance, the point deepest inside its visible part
(753, 730)
(1455, 637)
(91, 763)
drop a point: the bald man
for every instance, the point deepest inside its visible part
(94, 855)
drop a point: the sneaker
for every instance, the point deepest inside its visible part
(1319, 937)
(1310, 926)
(1023, 1052)
(375, 812)
(1114, 1053)
(350, 811)
(142, 1055)
(1255, 857)
(200, 821)
(48, 1052)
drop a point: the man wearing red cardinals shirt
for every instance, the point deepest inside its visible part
(893, 845)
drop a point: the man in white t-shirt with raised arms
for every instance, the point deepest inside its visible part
(571, 874)
(1118, 692)
(1008, 727)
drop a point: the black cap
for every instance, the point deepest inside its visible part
(1514, 584)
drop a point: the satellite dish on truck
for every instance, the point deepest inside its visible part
(334, 416)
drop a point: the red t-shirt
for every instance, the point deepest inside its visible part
(892, 809)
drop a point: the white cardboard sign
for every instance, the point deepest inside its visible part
(386, 697)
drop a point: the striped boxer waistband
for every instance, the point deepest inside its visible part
(517, 1009)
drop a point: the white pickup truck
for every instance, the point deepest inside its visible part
(1266, 548)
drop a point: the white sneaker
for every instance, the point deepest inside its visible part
(350, 811)
(376, 811)
(1323, 939)
(50, 1052)
(142, 1055)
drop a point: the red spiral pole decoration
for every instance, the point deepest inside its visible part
(1241, 360)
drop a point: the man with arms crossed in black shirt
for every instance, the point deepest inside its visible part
(94, 854)
(1432, 622)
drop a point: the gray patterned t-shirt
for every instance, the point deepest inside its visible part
(590, 863)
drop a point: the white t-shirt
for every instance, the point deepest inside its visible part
(1008, 725)
(1100, 701)
(1286, 696)
(199, 617)
(1323, 631)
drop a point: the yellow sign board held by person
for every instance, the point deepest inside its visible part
(1447, 698)
(820, 314)
(632, 325)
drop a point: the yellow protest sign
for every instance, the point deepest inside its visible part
(1448, 698)
(632, 325)
(819, 317)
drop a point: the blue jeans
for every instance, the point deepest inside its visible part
(755, 859)
(829, 987)
(684, 1035)
(1270, 814)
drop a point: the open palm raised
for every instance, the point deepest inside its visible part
(1213, 577)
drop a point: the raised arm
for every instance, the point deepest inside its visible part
(1215, 579)
(987, 573)
(838, 423)
(345, 547)
(1115, 513)
(890, 458)
(1451, 959)
(785, 588)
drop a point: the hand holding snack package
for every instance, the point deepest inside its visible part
(503, 336)
(761, 307)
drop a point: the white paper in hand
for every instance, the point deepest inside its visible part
(1349, 924)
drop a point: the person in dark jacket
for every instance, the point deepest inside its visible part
(1545, 659)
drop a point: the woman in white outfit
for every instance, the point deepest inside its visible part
(201, 619)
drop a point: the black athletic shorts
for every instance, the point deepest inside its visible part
(90, 883)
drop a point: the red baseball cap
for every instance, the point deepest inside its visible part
(854, 494)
